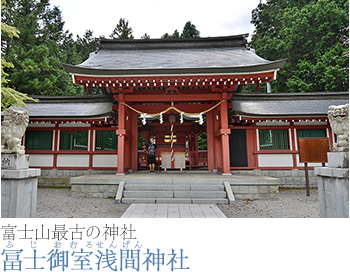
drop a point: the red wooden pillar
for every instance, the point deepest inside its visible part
(251, 146)
(210, 141)
(195, 159)
(121, 132)
(217, 140)
(55, 147)
(134, 140)
(225, 143)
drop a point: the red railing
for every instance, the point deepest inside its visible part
(198, 159)
(142, 158)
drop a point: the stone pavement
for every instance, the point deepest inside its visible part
(173, 211)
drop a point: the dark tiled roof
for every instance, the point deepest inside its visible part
(70, 107)
(300, 104)
(259, 105)
(174, 56)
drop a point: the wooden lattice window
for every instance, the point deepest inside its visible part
(73, 140)
(106, 140)
(273, 139)
(38, 140)
(311, 133)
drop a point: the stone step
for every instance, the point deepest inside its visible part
(174, 194)
(164, 187)
(171, 181)
(176, 200)
(145, 194)
(182, 190)
(200, 194)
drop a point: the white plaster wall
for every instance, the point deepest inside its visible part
(275, 160)
(36, 160)
(104, 160)
(72, 160)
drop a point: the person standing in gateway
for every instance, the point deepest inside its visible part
(151, 150)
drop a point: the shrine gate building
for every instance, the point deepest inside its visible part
(195, 81)
(191, 76)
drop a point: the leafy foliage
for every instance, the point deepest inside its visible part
(38, 54)
(85, 45)
(33, 62)
(189, 31)
(122, 30)
(202, 141)
(9, 96)
(146, 37)
(313, 35)
(175, 35)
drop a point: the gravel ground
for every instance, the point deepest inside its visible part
(58, 203)
(292, 203)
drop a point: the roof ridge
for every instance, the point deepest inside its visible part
(178, 43)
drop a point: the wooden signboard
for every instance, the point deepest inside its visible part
(312, 150)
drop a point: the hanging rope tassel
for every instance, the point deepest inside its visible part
(143, 116)
(181, 117)
(172, 146)
(161, 118)
(201, 118)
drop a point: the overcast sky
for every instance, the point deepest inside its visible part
(156, 17)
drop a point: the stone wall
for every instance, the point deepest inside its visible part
(87, 190)
(255, 191)
(288, 178)
(103, 186)
(61, 178)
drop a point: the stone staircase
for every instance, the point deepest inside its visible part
(175, 187)
(185, 191)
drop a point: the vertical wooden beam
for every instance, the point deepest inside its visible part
(195, 159)
(225, 143)
(217, 140)
(121, 136)
(55, 147)
(90, 143)
(251, 146)
(210, 140)
(134, 140)
(294, 143)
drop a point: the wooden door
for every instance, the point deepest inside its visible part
(238, 148)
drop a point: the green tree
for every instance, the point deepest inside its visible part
(146, 37)
(190, 31)
(122, 30)
(9, 96)
(85, 44)
(175, 35)
(38, 53)
(202, 141)
(313, 35)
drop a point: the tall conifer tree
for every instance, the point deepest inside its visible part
(37, 54)
(313, 35)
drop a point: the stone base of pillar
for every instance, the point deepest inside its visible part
(18, 186)
(333, 186)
